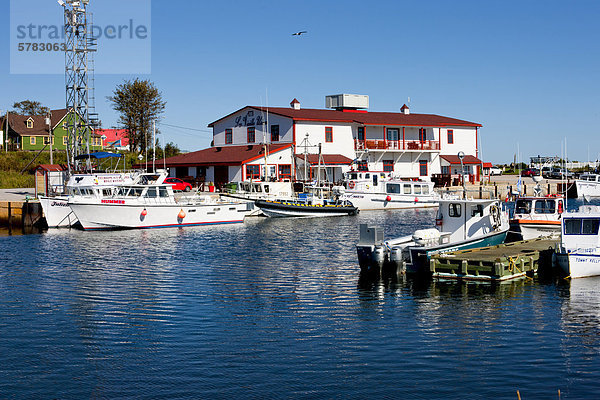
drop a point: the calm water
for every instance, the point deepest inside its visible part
(277, 309)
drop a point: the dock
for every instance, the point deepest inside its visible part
(20, 210)
(497, 263)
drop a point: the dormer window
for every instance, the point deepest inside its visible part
(30, 123)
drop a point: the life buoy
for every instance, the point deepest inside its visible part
(351, 184)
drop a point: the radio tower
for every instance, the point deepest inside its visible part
(79, 78)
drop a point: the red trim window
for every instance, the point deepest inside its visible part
(228, 136)
(274, 133)
(450, 136)
(251, 134)
(422, 135)
(285, 171)
(360, 133)
(329, 134)
(423, 167)
(388, 166)
(253, 171)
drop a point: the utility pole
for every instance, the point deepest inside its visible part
(6, 139)
(50, 135)
(154, 146)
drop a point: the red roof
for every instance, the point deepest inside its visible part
(113, 136)
(52, 167)
(327, 159)
(467, 160)
(225, 155)
(364, 118)
(487, 165)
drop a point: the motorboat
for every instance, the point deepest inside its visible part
(259, 190)
(150, 203)
(588, 185)
(460, 224)
(369, 190)
(56, 208)
(537, 216)
(579, 252)
(308, 205)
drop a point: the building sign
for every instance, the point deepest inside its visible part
(249, 119)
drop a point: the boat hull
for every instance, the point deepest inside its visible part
(532, 229)
(579, 265)
(57, 212)
(379, 201)
(291, 209)
(118, 216)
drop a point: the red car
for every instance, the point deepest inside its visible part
(178, 184)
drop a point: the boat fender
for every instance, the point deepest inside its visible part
(144, 212)
(389, 198)
(416, 199)
(181, 214)
(368, 186)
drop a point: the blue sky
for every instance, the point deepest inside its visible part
(528, 71)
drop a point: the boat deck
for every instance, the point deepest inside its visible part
(497, 263)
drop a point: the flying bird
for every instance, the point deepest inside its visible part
(299, 33)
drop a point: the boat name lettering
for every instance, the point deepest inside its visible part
(587, 260)
(113, 201)
(58, 204)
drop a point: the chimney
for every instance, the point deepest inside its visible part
(405, 110)
(295, 104)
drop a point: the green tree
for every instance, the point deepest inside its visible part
(139, 103)
(171, 150)
(28, 107)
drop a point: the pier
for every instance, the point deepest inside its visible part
(19, 210)
(497, 263)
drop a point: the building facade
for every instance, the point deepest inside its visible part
(34, 132)
(328, 142)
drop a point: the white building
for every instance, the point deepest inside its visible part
(407, 144)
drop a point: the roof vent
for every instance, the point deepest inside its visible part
(405, 110)
(347, 101)
(295, 104)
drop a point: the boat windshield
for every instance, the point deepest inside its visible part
(545, 206)
(581, 226)
(523, 207)
(393, 188)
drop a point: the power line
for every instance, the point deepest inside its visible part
(185, 127)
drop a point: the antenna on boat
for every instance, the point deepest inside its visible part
(461, 155)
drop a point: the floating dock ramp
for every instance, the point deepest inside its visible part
(497, 263)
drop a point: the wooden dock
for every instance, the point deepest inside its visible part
(497, 263)
(21, 214)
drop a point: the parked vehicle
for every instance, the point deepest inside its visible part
(530, 172)
(495, 171)
(179, 184)
(559, 173)
(546, 171)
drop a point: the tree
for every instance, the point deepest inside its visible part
(171, 150)
(28, 107)
(139, 103)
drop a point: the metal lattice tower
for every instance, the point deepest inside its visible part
(80, 45)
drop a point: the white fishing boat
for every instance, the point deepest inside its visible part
(259, 190)
(460, 224)
(152, 204)
(56, 209)
(579, 252)
(537, 216)
(588, 185)
(383, 191)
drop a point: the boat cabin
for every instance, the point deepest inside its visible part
(580, 229)
(538, 207)
(465, 219)
(590, 177)
(380, 182)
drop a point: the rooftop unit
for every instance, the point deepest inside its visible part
(347, 101)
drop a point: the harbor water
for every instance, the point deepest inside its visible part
(276, 308)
